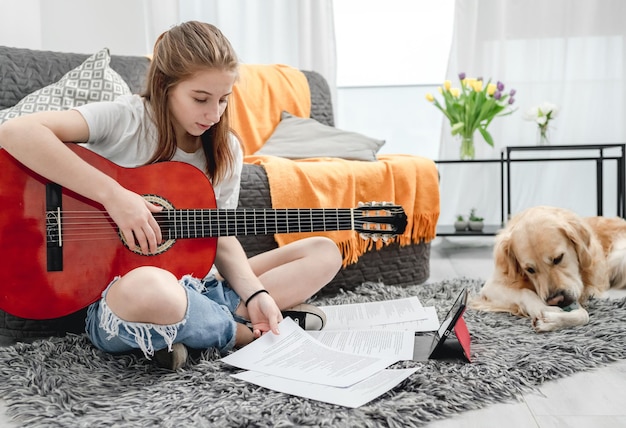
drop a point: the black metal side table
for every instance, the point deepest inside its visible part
(489, 229)
(599, 153)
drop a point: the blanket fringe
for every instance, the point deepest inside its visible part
(420, 228)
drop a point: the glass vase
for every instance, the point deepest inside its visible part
(467, 147)
(543, 137)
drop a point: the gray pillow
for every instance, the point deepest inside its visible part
(299, 138)
(91, 81)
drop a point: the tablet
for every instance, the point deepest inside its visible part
(427, 346)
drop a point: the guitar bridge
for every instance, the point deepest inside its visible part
(54, 242)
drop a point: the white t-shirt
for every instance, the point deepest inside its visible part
(122, 132)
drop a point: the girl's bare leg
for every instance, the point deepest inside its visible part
(295, 272)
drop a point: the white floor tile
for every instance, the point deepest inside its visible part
(509, 415)
(5, 422)
(595, 393)
(581, 421)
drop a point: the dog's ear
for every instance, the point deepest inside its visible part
(504, 257)
(592, 263)
(579, 233)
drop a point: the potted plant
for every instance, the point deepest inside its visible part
(475, 223)
(461, 224)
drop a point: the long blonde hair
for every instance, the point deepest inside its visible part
(178, 54)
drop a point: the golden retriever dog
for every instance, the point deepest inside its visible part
(549, 261)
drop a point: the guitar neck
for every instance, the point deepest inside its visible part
(204, 223)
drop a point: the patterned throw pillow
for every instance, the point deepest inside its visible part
(92, 81)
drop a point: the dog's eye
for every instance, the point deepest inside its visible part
(530, 270)
(557, 260)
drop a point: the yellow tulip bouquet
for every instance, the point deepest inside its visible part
(473, 106)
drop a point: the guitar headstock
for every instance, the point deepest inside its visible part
(379, 220)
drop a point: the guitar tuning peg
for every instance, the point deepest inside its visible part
(376, 236)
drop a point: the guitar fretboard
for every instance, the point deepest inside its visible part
(203, 223)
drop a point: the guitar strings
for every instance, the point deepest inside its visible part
(97, 225)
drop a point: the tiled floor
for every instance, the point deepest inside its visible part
(594, 399)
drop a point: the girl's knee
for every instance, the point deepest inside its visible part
(148, 294)
(330, 248)
(143, 280)
(327, 251)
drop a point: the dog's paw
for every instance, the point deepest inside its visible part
(552, 320)
(548, 321)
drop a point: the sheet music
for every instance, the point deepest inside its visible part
(353, 396)
(397, 314)
(378, 343)
(293, 354)
(360, 315)
(345, 363)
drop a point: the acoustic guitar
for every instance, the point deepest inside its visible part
(60, 250)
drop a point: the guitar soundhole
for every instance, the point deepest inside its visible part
(163, 246)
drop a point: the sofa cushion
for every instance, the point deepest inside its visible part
(93, 80)
(299, 138)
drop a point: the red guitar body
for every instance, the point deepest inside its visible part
(91, 256)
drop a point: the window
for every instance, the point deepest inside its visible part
(397, 42)
(389, 55)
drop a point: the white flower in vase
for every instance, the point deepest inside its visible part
(542, 115)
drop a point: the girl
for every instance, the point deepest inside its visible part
(182, 116)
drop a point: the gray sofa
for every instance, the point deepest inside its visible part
(23, 71)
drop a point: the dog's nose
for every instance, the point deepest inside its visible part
(560, 299)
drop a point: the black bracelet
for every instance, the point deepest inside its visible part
(256, 293)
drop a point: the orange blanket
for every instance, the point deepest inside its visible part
(409, 181)
(261, 94)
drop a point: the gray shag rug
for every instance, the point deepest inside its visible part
(65, 382)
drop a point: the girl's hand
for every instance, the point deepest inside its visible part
(133, 215)
(264, 315)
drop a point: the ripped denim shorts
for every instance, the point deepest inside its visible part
(209, 322)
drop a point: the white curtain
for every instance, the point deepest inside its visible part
(126, 27)
(568, 52)
(297, 33)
